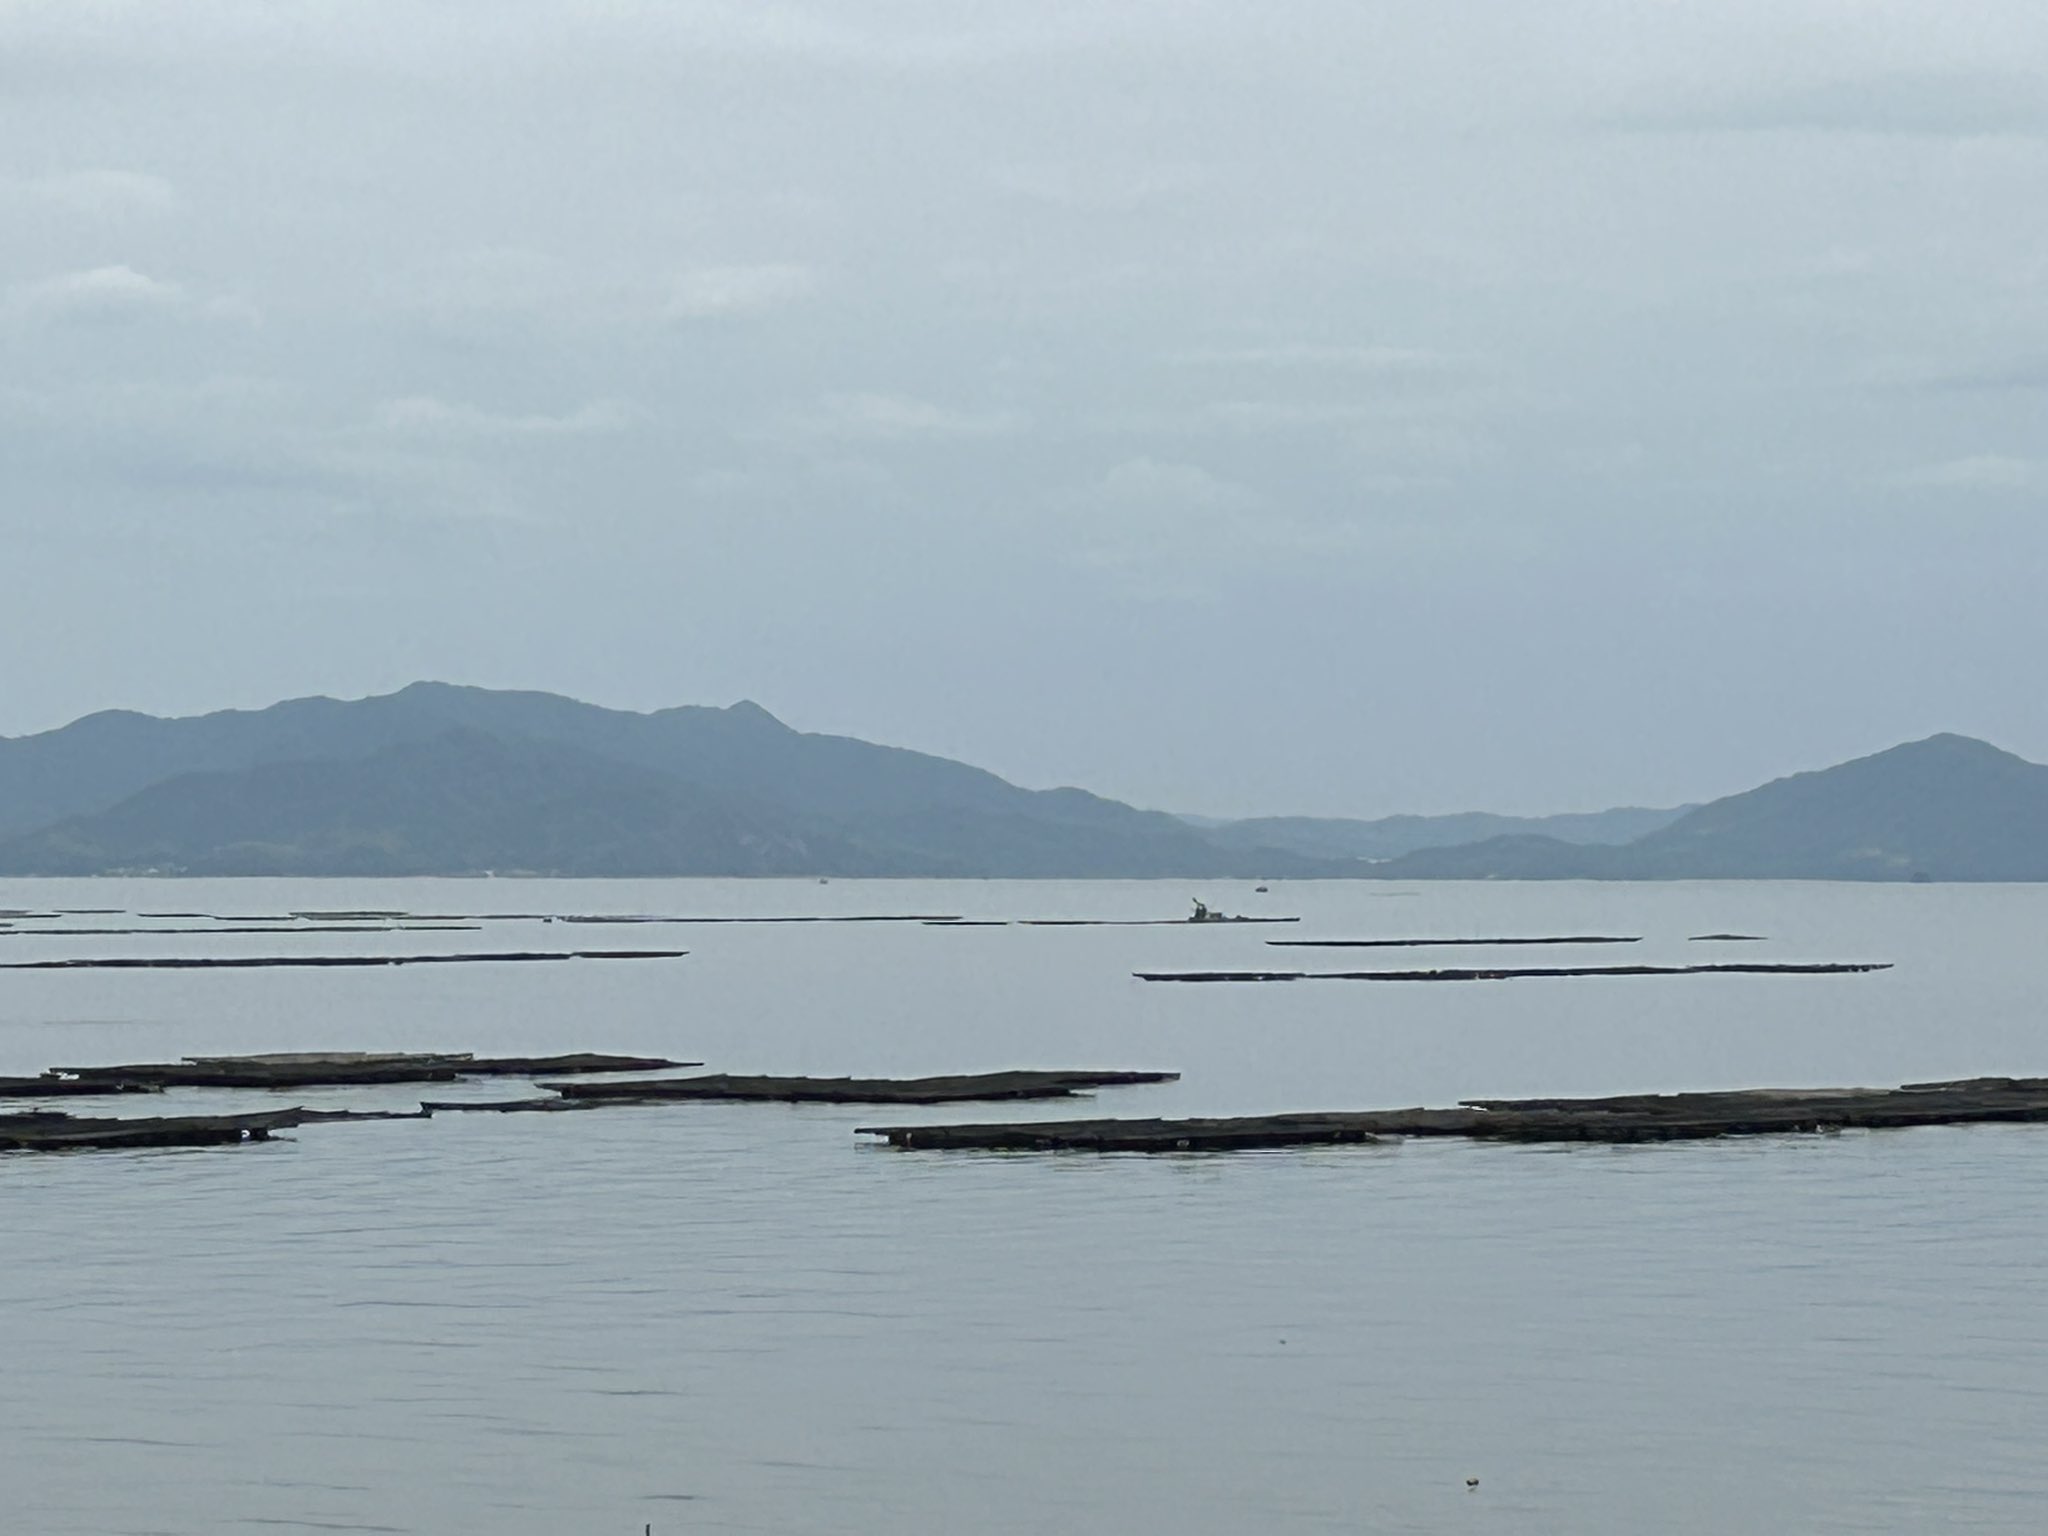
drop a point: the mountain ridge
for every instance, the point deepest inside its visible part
(122, 791)
(441, 778)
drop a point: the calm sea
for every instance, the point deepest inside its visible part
(737, 1318)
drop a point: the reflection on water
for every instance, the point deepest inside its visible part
(729, 1317)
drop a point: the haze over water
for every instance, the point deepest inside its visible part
(736, 1318)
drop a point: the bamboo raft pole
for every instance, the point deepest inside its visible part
(1621, 1119)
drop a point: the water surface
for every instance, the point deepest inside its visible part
(735, 1318)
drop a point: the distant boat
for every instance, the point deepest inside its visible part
(1204, 914)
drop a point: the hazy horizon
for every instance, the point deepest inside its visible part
(1322, 409)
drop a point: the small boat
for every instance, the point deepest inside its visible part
(1203, 913)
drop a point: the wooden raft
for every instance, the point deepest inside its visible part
(1628, 1118)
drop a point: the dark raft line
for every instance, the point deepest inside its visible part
(269, 928)
(1205, 1135)
(55, 1131)
(887, 917)
(1628, 1118)
(1574, 938)
(1100, 922)
(1729, 968)
(330, 1069)
(64, 1133)
(66, 1087)
(407, 922)
(1148, 922)
(256, 962)
(861, 1090)
(504, 1106)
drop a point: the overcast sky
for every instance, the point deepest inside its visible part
(1321, 405)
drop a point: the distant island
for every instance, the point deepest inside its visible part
(444, 780)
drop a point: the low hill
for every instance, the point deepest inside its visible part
(1947, 808)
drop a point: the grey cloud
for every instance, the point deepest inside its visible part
(1396, 363)
(98, 293)
(1312, 413)
(424, 416)
(1167, 529)
(890, 418)
(230, 441)
(713, 292)
(493, 279)
(119, 294)
(205, 402)
(1994, 472)
(1300, 387)
(111, 44)
(1149, 483)
(94, 193)
(2027, 373)
(1929, 103)
(1100, 188)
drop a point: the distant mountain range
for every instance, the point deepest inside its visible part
(1391, 836)
(437, 779)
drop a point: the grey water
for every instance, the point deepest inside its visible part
(741, 1318)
